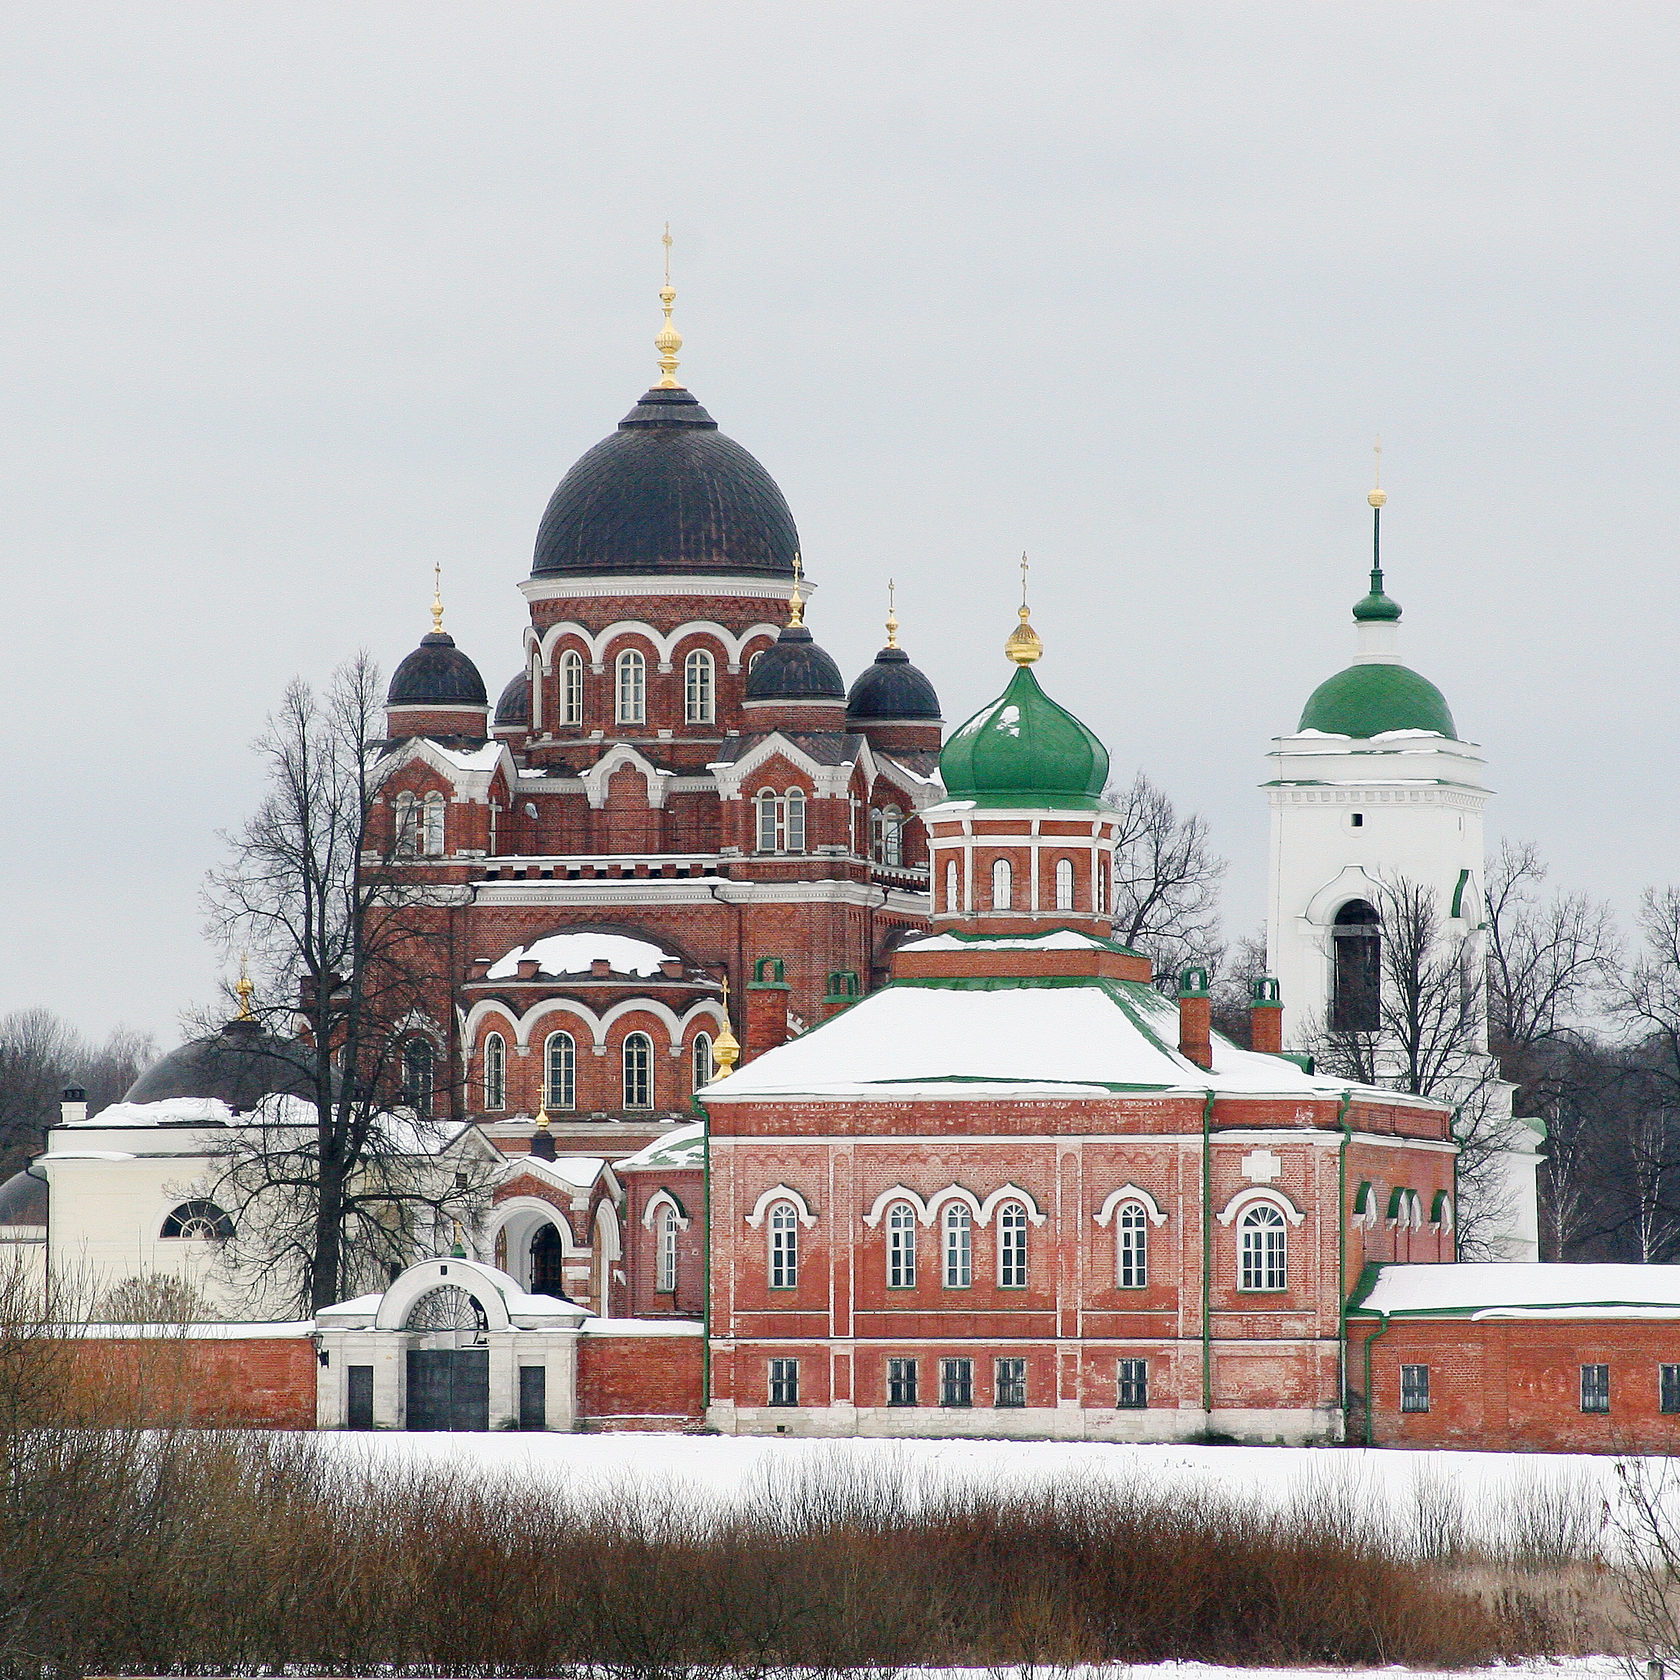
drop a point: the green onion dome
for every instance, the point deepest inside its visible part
(1367, 700)
(1024, 749)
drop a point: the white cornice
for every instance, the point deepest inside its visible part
(594, 587)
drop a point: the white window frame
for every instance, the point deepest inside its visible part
(699, 688)
(957, 1226)
(1262, 1250)
(782, 1231)
(431, 825)
(495, 1073)
(1012, 1245)
(665, 1280)
(951, 886)
(630, 687)
(901, 1246)
(1131, 1246)
(571, 690)
(701, 1062)
(1064, 883)
(892, 837)
(1003, 885)
(560, 1095)
(406, 833)
(793, 821)
(768, 804)
(637, 1055)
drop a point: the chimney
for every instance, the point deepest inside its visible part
(767, 1006)
(1265, 1017)
(74, 1106)
(1195, 1018)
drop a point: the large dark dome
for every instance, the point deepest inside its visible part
(892, 689)
(667, 492)
(239, 1066)
(793, 667)
(513, 710)
(437, 673)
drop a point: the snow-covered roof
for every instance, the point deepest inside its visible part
(996, 1037)
(685, 1147)
(174, 1111)
(479, 758)
(574, 1172)
(573, 953)
(1521, 1289)
(1062, 939)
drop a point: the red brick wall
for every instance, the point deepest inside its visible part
(639, 1382)
(1515, 1384)
(641, 1245)
(262, 1383)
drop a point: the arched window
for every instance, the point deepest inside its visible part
(495, 1072)
(536, 690)
(877, 843)
(1103, 866)
(418, 1070)
(901, 1246)
(959, 1246)
(1131, 1239)
(1012, 1246)
(632, 687)
(951, 886)
(666, 1282)
(1356, 984)
(548, 1257)
(784, 1246)
(198, 1222)
(1064, 883)
(794, 823)
(699, 689)
(892, 837)
(407, 836)
(769, 806)
(1003, 887)
(560, 1071)
(571, 689)
(638, 1071)
(432, 831)
(702, 1060)
(1265, 1248)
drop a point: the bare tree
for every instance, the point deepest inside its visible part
(348, 1180)
(1233, 986)
(41, 1054)
(1166, 883)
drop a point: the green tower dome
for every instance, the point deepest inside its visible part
(1024, 749)
(1367, 700)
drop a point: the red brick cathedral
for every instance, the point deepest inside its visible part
(676, 789)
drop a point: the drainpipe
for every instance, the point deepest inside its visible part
(1452, 1136)
(1207, 1260)
(1370, 1393)
(1341, 1241)
(706, 1270)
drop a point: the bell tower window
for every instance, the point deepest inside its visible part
(1356, 980)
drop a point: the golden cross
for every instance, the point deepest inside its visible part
(1023, 577)
(1377, 482)
(667, 244)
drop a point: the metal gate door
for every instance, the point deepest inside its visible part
(449, 1388)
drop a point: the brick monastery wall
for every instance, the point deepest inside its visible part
(640, 1382)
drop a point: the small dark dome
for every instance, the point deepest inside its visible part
(23, 1200)
(793, 667)
(892, 689)
(667, 492)
(240, 1066)
(513, 710)
(437, 673)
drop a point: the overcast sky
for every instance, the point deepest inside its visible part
(296, 300)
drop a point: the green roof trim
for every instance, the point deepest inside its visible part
(1367, 700)
(1024, 749)
(1362, 1199)
(1438, 1207)
(1458, 892)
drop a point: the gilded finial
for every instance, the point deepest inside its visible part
(542, 1116)
(668, 341)
(796, 601)
(1023, 645)
(437, 598)
(1378, 495)
(726, 1048)
(244, 991)
(892, 614)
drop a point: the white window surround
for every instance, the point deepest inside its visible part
(1247, 1198)
(1131, 1193)
(781, 1193)
(927, 1210)
(664, 644)
(663, 1198)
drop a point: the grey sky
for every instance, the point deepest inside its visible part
(297, 299)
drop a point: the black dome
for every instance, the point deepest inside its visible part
(793, 667)
(513, 710)
(667, 492)
(892, 688)
(23, 1200)
(437, 673)
(240, 1065)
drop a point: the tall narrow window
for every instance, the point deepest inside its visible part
(495, 1072)
(432, 832)
(571, 689)
(1131, 1226)
(1011, 1382)
(638, 1071)
(407, 837)
(1002, 885)
(1356, 985)
(784, 1246)
(956, 1382)
(901, 1246)
(699, 689)
(667, 1259)
(794, 823)
(784, 1382)
(702, 1060)
(959, 1247)
(417, 1065)
(877, 845)
(951, 887)
(1064, 883)
(1265, 1248)
(892, 837)
(632, 687)
(1133, 1385)
(901, 1382)
(769, 821)
(1012, 1246)
(560, 1072)
(1102, 886)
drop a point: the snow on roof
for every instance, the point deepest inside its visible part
(572, 953)
(685, 1147)
(642, 1327)
(576, 1172)
(1063, 939)
(194, 1332)
(173, 1111)
(1524, 1289)
(956, 1039)
(480, 758)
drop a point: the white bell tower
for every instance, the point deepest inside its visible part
(1373, 788)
